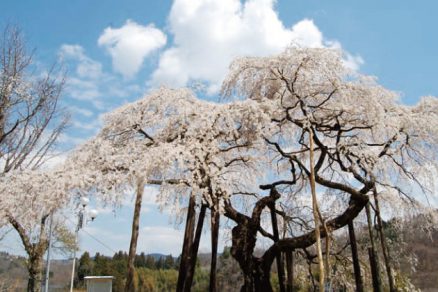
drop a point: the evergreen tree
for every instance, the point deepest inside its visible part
(159, 264)
(169, 262)
(85, 267)
(140, 260)
(150, 262)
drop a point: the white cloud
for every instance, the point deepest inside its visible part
(91, 126)
(70, 140)
(83, 83)
(81, 111)
(55, 160)
(352, 62)
(86, 67)
(209, 34)
(87, 82)
(161, 239)
(130, 44)
(148, 200)
(84, 90)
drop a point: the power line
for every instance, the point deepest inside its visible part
(99, 241)
(92, 236)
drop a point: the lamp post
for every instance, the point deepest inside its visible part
(81, 215)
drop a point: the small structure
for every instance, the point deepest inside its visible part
(99, 283)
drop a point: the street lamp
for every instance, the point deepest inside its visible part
(84, 201)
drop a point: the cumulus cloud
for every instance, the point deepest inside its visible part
(130, 44)
(209, 34)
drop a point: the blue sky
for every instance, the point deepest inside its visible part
(115, 51)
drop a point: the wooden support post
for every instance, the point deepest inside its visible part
(129, 285)
(385, 250)
(374, 259)
(187, 244)
(215, 217)
(290, 270)
(316, 216)
(355, 256)
(194, 250)
(280, 265)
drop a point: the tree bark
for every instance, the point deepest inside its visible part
(194, 251)
(385, 250)
(215, 217)
(374, 260)
(129, 285)
(187, 244)
(355, 256)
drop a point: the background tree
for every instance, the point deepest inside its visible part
(140, 260)
(31, 121)
(28, 199)
(85, 267)
(150, 262)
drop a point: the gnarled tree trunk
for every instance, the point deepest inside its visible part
(256, 271)
(244, 237)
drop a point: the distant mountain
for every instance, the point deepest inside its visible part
(157, 256)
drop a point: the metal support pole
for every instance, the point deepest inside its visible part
(46, 287)
(80, 222)
(74, 262)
